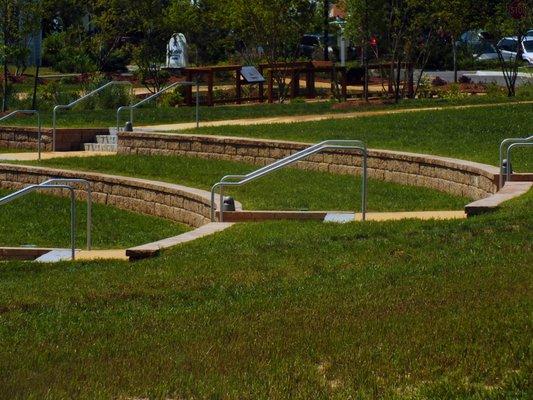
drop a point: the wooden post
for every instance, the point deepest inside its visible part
(261, 87)
(270, 86)
(188, 88)
(210, 79)
(310, 81)
(295, 83)
(238, 87)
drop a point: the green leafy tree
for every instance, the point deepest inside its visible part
(18, 20)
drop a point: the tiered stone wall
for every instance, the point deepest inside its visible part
(66, 139)
(458, 177)
(175, 202)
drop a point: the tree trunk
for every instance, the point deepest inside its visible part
(398, 79)
(326, 29)
(4, 88)
(35, 82)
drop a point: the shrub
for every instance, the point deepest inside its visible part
(453, 92)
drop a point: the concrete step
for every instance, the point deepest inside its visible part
(100, 147)
(106, 139)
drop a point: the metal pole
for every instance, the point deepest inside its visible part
(364, 188)
(73, 224)
(89, 217)
(54, 128)
(39, 136)
(197, 102)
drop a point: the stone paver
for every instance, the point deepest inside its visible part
(309, 118)
(153, 249)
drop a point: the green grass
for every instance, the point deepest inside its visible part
(289, 189)
(150, 116)
(474, 134)
(44, 221)
(398, 310)
(4, 150)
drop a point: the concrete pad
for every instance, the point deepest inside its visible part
(50, 155)
(88, 255)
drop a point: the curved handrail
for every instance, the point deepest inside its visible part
(511, 147)
(69, 106)
(39, 135)
(154, 96)
(326, 145)
(508, 142)
(28, 189)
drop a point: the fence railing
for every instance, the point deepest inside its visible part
(506, 147)
(61, 183)
(155, 96)
(69, 106)
(326, 145)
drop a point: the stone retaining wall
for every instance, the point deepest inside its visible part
(70, 139)
(458, 177)
(175, 202)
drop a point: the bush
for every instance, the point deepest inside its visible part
(172, 99)
(453, 92)
(63, 56)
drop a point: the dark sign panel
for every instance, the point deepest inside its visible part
(252, 75)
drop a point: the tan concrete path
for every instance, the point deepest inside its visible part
(89, 255)
(310, 118)
(49, 155)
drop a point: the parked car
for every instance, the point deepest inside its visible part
(509, 46)
(312, 46)
(479, 44)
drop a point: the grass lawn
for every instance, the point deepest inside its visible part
(289, 189)
(4, 150)
(44, 221)
(397, 310)
(150, 116)
(474, 134)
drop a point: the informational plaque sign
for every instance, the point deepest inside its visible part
(252, 75)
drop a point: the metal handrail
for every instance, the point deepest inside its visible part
(508, 142)
(89, 201)
(511, 147)
(32, 188)
(69, 106)
(326, 145)
(39, 135)
(156, 95)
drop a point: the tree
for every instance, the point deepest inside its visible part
(18, 20)
(275, 27)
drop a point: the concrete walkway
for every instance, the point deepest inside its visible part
(310, 118)
(49, 155)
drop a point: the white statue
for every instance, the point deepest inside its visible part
(177, 51)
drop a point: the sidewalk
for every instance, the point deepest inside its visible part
(310, 118)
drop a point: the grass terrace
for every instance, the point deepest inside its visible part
(44, 221)
(289, 189)
(473, 134)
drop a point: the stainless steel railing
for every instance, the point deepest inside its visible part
(39, 135)
(69, 106)
(326, 145)
(60, 183)
(156, 95)
(506, 147)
